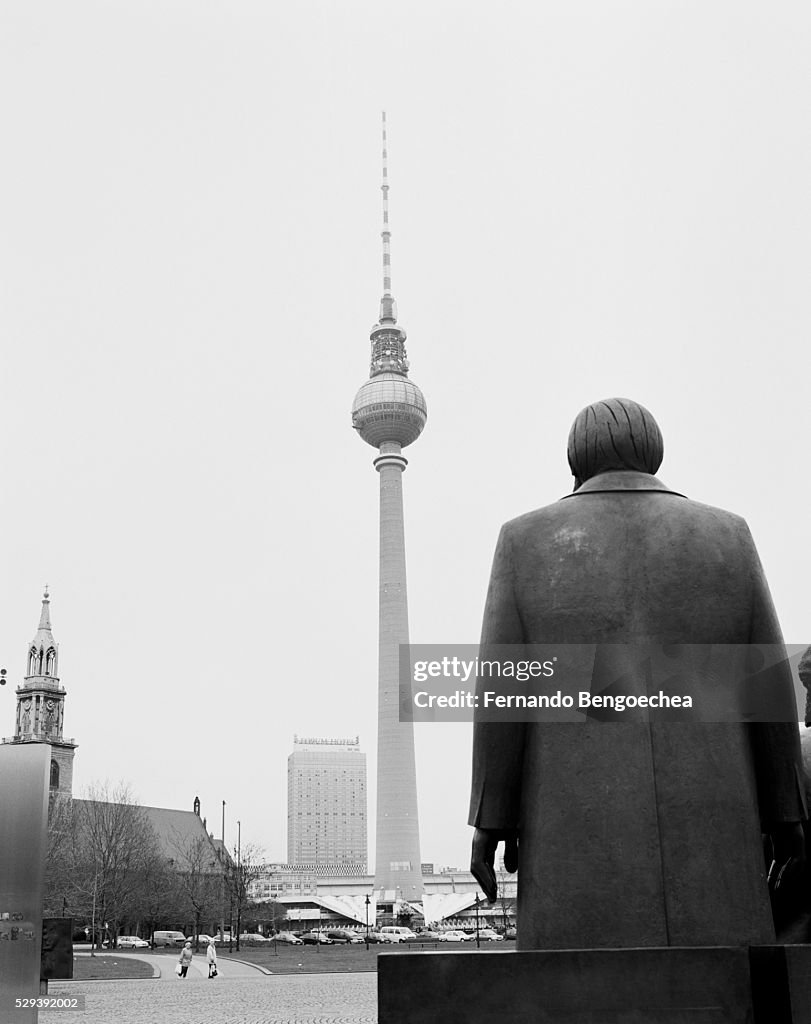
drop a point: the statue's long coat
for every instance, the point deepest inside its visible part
(634, 834)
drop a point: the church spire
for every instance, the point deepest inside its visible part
(45, 614)
(41, 704)
(43, 654)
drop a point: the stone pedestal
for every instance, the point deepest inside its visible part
(781, 984)
(710, 985)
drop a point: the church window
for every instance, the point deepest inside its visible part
(54, 775)
(49, 662)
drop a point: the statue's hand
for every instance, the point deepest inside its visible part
(788, 845)
(483, 856)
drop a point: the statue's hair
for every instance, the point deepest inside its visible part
(616, 433)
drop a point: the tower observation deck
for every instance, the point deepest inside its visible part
(389, 413)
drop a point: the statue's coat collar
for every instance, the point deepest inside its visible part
(622, 480)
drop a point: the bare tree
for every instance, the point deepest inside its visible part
(246, 867)
(159, 900)
(113, 848)
(274, 914)
(505, 903)
(59, 880)
(199, 877)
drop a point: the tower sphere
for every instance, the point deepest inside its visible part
(389, 408)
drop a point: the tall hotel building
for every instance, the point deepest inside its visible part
(326, 803)
(389, 413)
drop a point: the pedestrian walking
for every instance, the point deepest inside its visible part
(211, 956)
(185, 960)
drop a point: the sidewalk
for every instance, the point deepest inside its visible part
(163, 966)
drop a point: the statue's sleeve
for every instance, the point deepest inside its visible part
(498, 747)
(775, 745)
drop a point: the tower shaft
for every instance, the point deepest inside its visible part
(398, 872)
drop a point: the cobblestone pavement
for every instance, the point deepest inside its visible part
(281, 999)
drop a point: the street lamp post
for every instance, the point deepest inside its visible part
(503, 892)
(93, 917)
(239, 879)
(367, 922)
(223, 869)
(478, 942)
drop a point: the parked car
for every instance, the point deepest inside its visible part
(316, 938)
(452, 936)
(489, 935)
(511, 933)
(428, 935)
(340, 935)
(375, 936)
(288, 937)
(253, 937)
(203, 939)
(395, 933)
(132, 942)
(163, 938)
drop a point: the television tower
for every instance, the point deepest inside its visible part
(389, 413)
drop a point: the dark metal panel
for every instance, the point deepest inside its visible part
(24, 770)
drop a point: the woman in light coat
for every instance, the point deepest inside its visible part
(185, 959)
(211, 956)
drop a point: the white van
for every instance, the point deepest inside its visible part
(168, 939)
(392, 933)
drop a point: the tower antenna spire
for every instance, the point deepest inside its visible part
(388, 308)
(386, 233)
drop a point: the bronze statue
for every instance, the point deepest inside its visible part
(634, 833)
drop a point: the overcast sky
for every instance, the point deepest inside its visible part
(588, 199)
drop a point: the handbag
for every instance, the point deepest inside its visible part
(178, 970)
(212, 970)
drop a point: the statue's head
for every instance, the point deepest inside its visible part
(615, 434)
